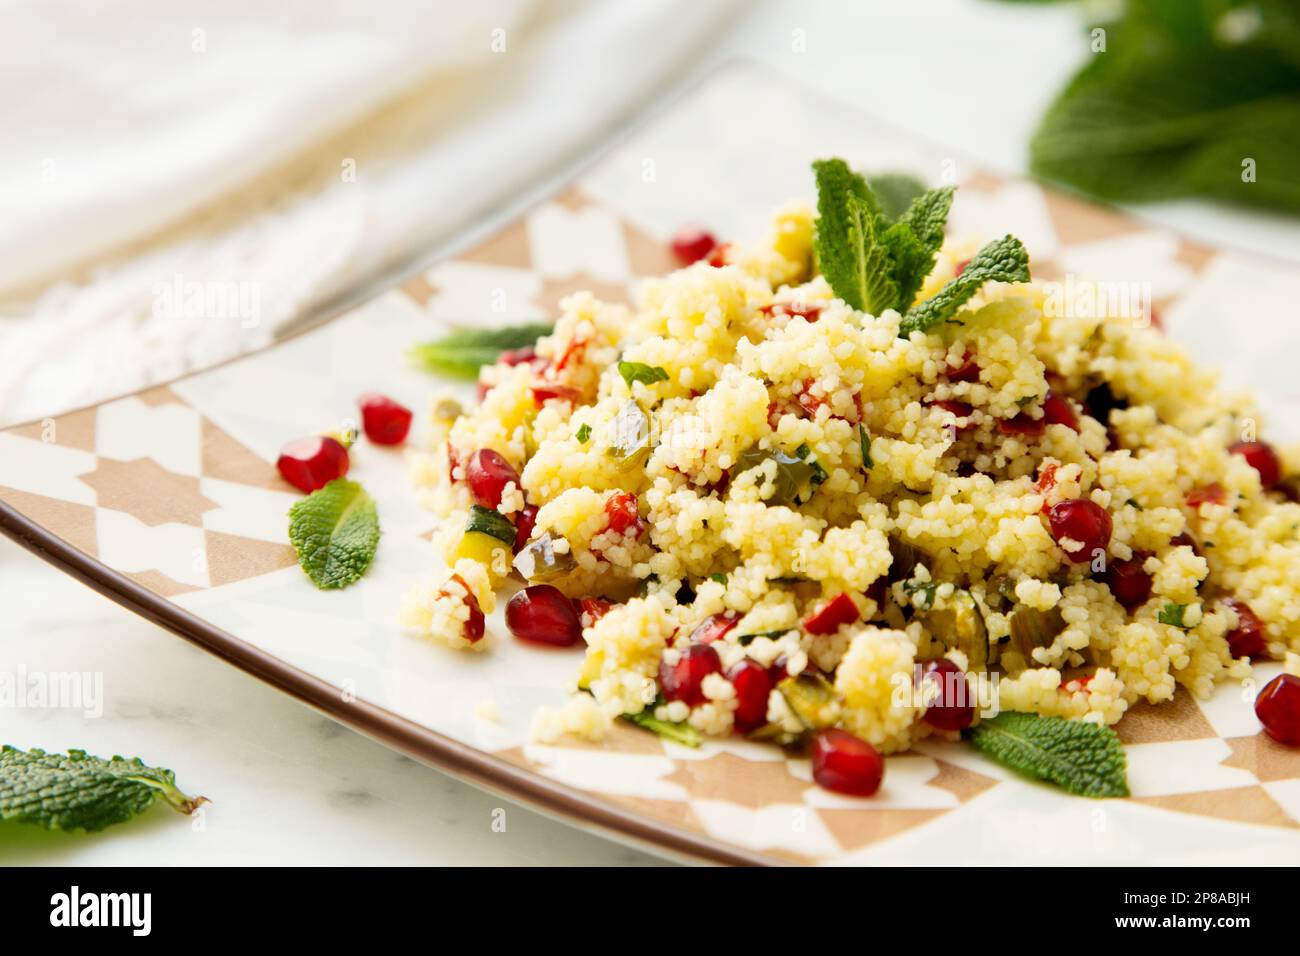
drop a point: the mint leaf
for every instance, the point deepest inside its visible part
(462, 353)
(1004, 260)
(848, 252)
(582, 434)
(335, 531)
(864, 443)
(640, 372)
(81, 792)
(1173, 108)
(914, 240)
(1172, 614)
(895, 192)
(682, 733)
(1080, 757)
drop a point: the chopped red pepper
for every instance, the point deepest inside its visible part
(1022, 424)
(621, 510)
(792, 309)
(838, 611)
(544, 393)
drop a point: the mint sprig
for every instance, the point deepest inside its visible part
(79, 792)
(875, 260)
(1004, 260)
(462, 353)
(335, 531)
(1082, 758)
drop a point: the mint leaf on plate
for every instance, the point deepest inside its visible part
(1004, 260)
(462, 353)
(335, 531)
(79, 792)
(1082, 758)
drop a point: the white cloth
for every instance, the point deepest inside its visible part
(180, 179)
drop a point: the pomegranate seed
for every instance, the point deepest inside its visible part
(1278, 709)
(753, 686)
(1261, 456)
(621, 512)
(311, 463)
(1130, 585)
(542, 614)
(1058, 410)
(1185, 539)
(385, 421)
(835, 612)
(1213, 493)
(475, 625)
(1247, 639)
(594, 608)
(544, 393)
(968, 371)
(682, 681)
(525, 521)
(1022, 424)
(1082, 521)
(692, 243)
(952, 709)
(489, 473)
(714, 628)
(845, 763)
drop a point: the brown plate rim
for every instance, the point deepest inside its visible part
(461, 760)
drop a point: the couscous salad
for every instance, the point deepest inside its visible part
(861, 484)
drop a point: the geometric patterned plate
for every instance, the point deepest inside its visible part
(168, 502)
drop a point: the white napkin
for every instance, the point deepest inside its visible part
(180, 178)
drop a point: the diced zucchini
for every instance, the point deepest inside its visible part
(812, 698)
(483, 548)
(539, 561)
(959, 625)
(1032, 628)
(492, 523)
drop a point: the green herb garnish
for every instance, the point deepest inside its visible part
(462, 353)
(681, 733)
(864, 442)
(926, 589)
(875, 260)
(719, 577)
(1004, 260)
(1080, 757)
(895, 191)
(640, 372)
(583, 433)
(79, 792)
(1172, 614)
(335, 531)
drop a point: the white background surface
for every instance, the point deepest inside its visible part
(290, 786)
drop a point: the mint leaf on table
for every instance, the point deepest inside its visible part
(1174, 108)
(1004, 260)
(462, 353)
(1082, 758)
(335, 531)
(681, 733)
(79, 792)
(640, 372)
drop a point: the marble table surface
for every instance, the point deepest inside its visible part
(287, 785)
